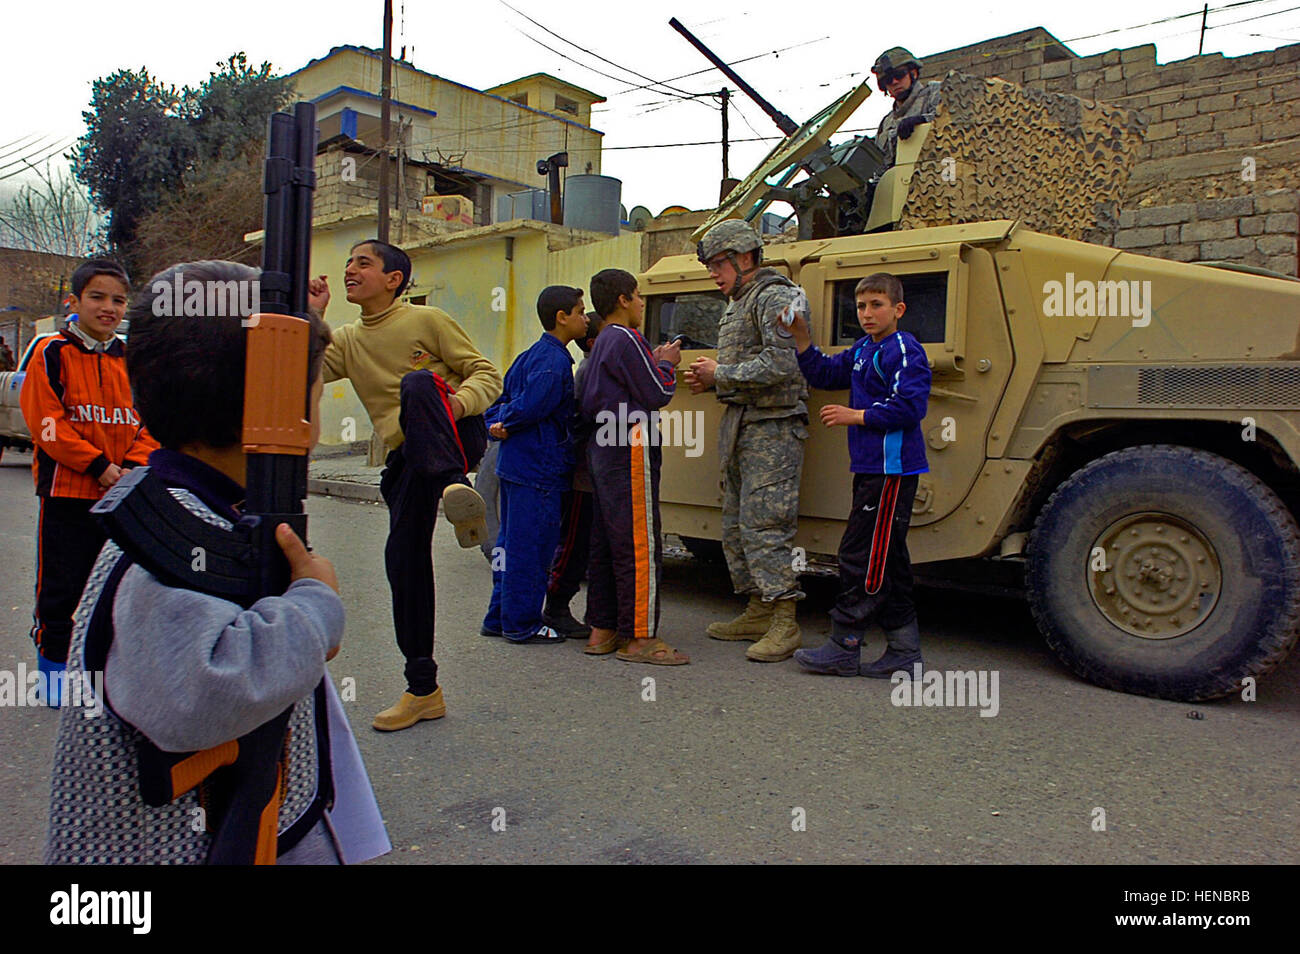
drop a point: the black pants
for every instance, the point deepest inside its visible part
(68, 540)
(626, 561)
(437, 452)
(569, 566)
(875, 568)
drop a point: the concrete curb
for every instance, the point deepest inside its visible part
(347, 489)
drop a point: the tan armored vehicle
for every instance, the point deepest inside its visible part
(1125, 428)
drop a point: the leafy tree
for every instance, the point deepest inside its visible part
(148, 145)
(228, 112)
(136, 148)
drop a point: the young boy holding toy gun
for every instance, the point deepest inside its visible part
(223, 740)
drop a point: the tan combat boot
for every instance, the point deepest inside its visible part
(749, 625)
(782, 637)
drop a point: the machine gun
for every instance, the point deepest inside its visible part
(242, 564)
(836, 197)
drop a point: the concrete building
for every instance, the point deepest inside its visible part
(480, 144)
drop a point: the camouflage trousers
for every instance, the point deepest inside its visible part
(761, 464)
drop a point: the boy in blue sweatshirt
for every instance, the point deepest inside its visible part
(532, 419)
(888, 377)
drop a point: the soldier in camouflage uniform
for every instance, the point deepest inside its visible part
(762, 438)
(897, 73)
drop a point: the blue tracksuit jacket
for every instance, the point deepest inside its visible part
(536, 407)
(890, 380)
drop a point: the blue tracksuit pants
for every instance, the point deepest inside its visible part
(521, 561)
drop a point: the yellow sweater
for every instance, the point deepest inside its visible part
(376, 351)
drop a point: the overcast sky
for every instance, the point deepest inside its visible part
(56, 48)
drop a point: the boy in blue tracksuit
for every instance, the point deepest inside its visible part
(532, 420)
(888, 377)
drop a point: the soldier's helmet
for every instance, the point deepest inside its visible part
(895, 58)
(733, 235)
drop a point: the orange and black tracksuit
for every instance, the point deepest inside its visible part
(623, 385)
(77, 404)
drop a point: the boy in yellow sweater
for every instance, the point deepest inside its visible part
(425, 387)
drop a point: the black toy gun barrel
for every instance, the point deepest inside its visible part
(276, 394)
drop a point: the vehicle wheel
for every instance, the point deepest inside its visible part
(1166, 571)
(485, 482)
(706, 551)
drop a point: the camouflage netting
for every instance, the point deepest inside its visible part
(1057, 163)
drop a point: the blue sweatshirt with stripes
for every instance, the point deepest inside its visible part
(889, 380)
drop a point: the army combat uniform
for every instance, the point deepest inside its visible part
(764, 426)
(922, 100)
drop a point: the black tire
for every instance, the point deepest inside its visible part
(1246, 632)
(706, 551)
(485, 482)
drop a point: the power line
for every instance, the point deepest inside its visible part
(745, 59)
(1181, 16)
(27, 160)
(593, 52)
(31, 141)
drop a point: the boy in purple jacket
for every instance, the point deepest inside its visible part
(888, 377)
(625, 385)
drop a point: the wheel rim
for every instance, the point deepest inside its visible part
(1160, 578)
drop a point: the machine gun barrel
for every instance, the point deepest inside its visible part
(783, 122)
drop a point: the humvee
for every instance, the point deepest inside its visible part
(1122, 430)
(1126, 428)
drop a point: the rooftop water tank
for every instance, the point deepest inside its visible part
(592, 203)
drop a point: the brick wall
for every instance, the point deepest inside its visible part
(1221, 128)
(336, 197)
(29, 289)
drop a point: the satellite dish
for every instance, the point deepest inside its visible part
(750, 199)
(639, 218)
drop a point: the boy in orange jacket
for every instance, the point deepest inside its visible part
(77, 404)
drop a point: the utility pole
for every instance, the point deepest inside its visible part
(726, 95)
(1205, 12)
(403, 129)
(386, 98)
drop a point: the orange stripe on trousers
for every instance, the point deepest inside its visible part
(641, 542)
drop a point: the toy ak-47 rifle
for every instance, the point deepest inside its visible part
(242, 778)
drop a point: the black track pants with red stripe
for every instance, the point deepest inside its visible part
(437, 452)
(569, 565)
(626, 563)
(875, 569)
(67, 543)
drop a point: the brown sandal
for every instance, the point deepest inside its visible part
(602, 649)
(655, 652)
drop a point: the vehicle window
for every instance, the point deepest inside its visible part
(927, 308)
(695, 315)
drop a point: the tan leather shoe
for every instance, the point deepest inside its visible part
(410, 710)
(467, 512)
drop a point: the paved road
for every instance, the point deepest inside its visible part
(715, 767)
